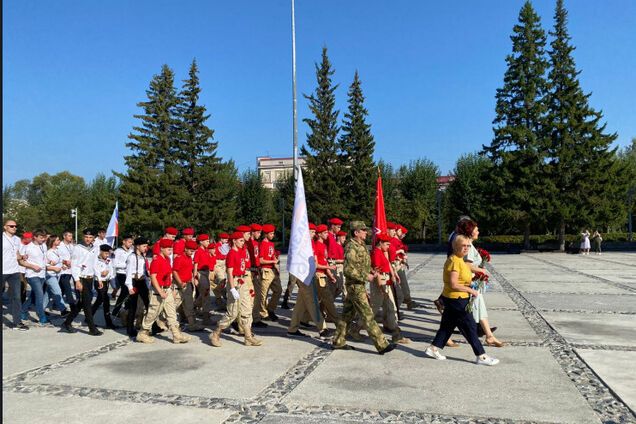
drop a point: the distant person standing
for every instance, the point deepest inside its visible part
(101, 238)
(585, 242)
(11, 272)
(34, 260)
(597, 242)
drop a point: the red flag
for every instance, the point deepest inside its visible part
(379, 218)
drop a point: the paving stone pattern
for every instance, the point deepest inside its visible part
(562, 324)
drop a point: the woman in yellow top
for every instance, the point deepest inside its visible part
(456, 293)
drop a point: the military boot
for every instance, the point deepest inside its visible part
(215, 337)
(285, 305)
(178, 336)
(144, 337)
(193, 325)
(250, 340)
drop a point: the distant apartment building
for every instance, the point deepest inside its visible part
(273, 170)
(444, 181)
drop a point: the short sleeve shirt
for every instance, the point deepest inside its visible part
(267, 252)
(183, 265)
(455, 263)
(179, 247)
(161, 267)
(36, 256)
(336, 251)
(393, 248)
(380, 261)
(220, 246)
(253, 248)
(236, 260)
(321, 254)
(202, 259)
(10, 250)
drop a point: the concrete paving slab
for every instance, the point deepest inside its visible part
(614, 368)
(45, 346)
(602, 303)
(534, 383)
(603, 329)
(74, 410)
(196, 368)
(556, 287)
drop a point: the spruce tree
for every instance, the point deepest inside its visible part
(581, 168)
(150, 197)
(357, 146)
(323, 174)
(200, 167)
(518, 147)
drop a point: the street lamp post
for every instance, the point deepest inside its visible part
(74, 215)
(295, 111)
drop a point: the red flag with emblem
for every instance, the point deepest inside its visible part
(379, 217)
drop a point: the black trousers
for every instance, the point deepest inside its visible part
(142, 292)
(15, 302)
(455, 315)
(103, 301)
(85, 297)
(67, 289)
(123, 293)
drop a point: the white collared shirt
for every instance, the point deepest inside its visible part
(121, 256)
(53, 259)
(65, 251)
(136, 268)
(10, 250)
(83, 261)
(102, 265)
(36, 256)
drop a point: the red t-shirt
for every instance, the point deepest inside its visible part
(156, 249)
(248, 258)
(267, 252)
(202, 259)
(253, 248)
(179, 247)
(338, 251)
(320, 250)
(395, 245)
(380, 262)
(404, 247)
(237, 261)
(220, 256)
(184, 265)
(161, 267)
(332, 246)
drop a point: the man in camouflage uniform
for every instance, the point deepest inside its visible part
(357, 271)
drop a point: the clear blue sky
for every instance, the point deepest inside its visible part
(73, 72)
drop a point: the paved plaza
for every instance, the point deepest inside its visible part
(569, 322)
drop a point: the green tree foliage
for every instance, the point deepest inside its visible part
(253, 200)
(323, 177)
(518, 147)
(581, 168)
(418, 186)
(357, 146)
(394, 204)
(150, 189)
(101, 195)
(283, 204)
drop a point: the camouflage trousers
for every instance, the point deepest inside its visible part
(356, 305)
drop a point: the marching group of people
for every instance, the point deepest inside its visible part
(181, 280)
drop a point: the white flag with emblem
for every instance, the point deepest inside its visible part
(300, 258)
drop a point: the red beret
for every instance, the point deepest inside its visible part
(165, 243)
(202, 237)
(268, 228)
(341, 233)
(243, 228)
(335, 221)
(383, 237)
(188, 231)
(236, 235)
(224, 236)
(191, 244)
(28, 234)
(256, 227)
(312, 226)
(391, 226)
(320, 228)
(172, 231)
(212, 246)
(404, 230)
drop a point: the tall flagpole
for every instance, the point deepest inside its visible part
(295, 111)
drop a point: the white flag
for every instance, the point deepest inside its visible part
(300, 258)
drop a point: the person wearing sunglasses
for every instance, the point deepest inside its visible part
(11, 272)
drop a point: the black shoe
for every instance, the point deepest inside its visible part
(112, 326)
(235, 326)
(296, 333)
(95, 332)
(132, 334)
(387, 349)
(305, 324)
(156, 329)
(325, 334)
(259, 324)
(65, 312)
(272, 316)
(400, 316)
(67, 328)
(48, 314)
(343, 347)
(285, 305)
(20, 327)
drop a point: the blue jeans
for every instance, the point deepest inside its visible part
(37, 285)
(55, 293)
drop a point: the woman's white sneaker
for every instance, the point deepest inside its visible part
(486, 360)
(434, 353)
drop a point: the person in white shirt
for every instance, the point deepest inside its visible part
(104, 272)
(34, 260)
(121, 255)
(65, 252)
(83, 270)
(101, 238)
(137, 282)
(11, 272)
(54, 267)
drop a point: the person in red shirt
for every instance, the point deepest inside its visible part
(252, 246)
(202, 268)
(336, 257)
(381, 290)
(324, 276)
(222, 249)
(161, 297)
(170, 233)
(335, 224)
(183, 277)
(240, 293)
(179, 245)
(394, 250)
(400, 233)
(270, 279)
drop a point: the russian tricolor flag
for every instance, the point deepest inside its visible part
(112, 232)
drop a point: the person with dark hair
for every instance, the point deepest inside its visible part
(119, 262)
(137, 279)
(54, 267)
(11, 272)
(65, 252)
(104, 272)
(101, 238)
(34, 260)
